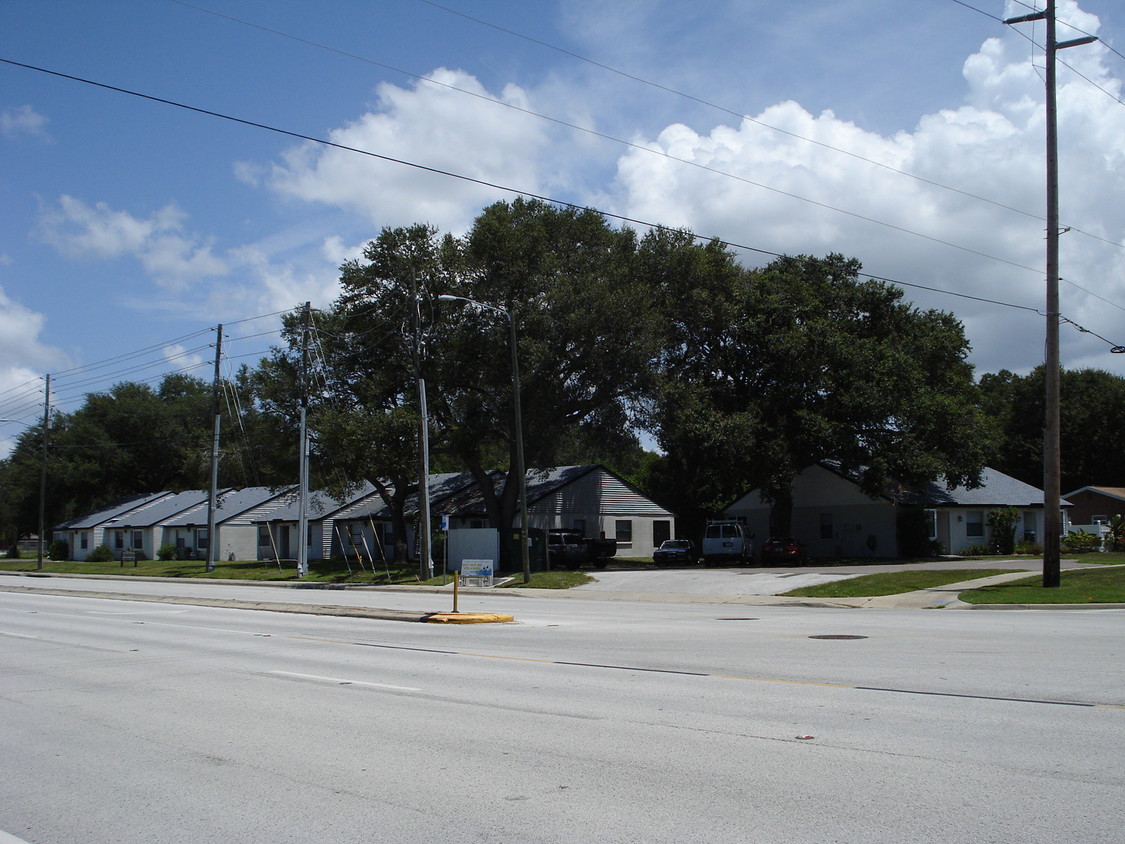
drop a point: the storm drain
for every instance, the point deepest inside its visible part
(837, 636)
(736, 618)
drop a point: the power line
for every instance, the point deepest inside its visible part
(629, 144)
(500, 187)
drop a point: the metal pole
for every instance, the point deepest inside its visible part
(425, 564)
(212, 498)
(43, 467)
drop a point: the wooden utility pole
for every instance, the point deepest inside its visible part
(1052, 462)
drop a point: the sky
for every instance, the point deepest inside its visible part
(907, 135)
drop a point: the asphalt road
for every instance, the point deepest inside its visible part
(584, 720)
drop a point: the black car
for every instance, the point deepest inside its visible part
(675, 552)
(783, 550)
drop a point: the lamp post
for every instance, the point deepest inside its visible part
(521, 471)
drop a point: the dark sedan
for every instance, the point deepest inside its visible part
(675, 552)
(783, 550)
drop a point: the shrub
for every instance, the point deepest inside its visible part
(59, 549)
(166, 552)
(978, 550)
(101, 554)
(1080, 542)
(1003, 523)
(1032, 548)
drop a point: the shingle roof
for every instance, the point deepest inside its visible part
(996, 490)
(110, 511)
(1108, 491)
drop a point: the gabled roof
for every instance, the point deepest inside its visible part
(372, 506)
(161, 509)
(996, 490)
(111, 511)
(1115, 492)
(544, 483)
(287, 508)
(231, 504)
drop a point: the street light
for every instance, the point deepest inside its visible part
(521, 471)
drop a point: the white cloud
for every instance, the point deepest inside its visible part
(172, 258)
(23, 361)
(429, 125)
(22, 121)
(991, 146)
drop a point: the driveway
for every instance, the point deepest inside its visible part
(770, 581)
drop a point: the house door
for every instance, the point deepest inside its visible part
(283, 542)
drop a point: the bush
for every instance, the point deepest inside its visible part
(101, 554)
(59, 549)
(1080, 542)
(1003, 523)
(978, 550)
(166, 552)
(1032, 548)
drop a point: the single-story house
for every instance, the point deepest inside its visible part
(1096, 504)
(236, 536)
(141, 529)
(87, 532)
(363, 528)
(834, 518)
(278, 521)
(588, 498)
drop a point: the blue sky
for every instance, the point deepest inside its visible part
(127, 224)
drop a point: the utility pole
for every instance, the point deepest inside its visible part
(43, 466)
(213, 497)
(303, 460)
(425, 563)
(1052, 462)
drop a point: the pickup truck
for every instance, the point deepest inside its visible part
(567, 548)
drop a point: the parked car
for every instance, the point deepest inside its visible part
(567, 548)
(783, 550)
(675, 552)
(727, 541)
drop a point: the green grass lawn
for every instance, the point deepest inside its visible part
(1088, 586)
(320, 571)
(890, 583)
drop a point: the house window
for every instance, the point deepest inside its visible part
(201, 540)
(931, 524)
(119, 539)
(624, 530)
(1099, 520)
(826, 531)
(974, 523)
(580, 524)
(661, 530)
(264, 540)
(84, 540)
(138, 539)
(355, 535)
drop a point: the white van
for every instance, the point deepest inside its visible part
(727, 541)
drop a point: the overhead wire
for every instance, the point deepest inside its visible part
(631, 144)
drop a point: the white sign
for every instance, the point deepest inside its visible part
(478, 570)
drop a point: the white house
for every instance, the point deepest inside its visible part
(834, 518)
(87, 532)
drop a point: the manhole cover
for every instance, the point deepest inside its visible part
(837, 636)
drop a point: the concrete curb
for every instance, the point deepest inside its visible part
(278, 606)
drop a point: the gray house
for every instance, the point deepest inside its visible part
(589, 498)
(141, 529)
(834, 518)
